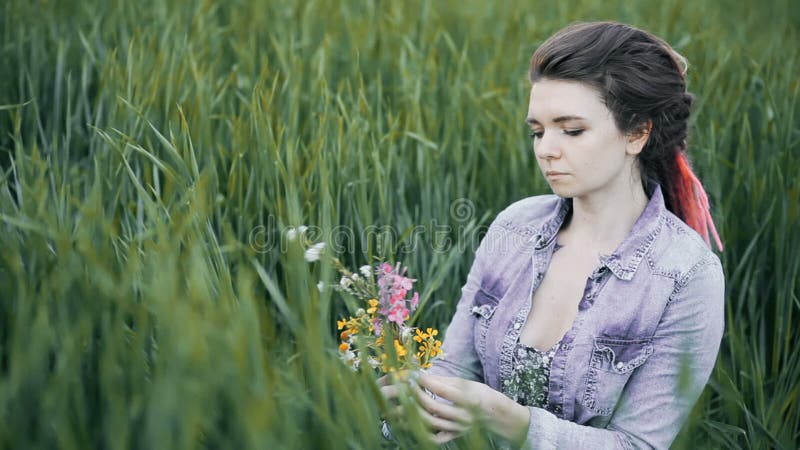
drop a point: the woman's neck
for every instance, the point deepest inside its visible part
(602, 221)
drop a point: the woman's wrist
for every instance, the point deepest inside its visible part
(509, 419)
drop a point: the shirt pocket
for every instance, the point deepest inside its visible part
(483, 309)
(611, 365)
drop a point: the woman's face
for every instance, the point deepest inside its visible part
(580, 151)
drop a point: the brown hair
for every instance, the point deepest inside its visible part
(640, 78)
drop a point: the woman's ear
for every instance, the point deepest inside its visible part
(638, 138)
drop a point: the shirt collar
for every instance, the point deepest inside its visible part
(624, 261)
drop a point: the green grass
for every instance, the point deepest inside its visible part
(152, 153)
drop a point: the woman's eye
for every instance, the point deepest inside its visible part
(539, 134)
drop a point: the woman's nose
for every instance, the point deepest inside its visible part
(547, 146)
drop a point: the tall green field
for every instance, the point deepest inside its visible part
(154, 153)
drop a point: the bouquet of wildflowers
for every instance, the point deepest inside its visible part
(378, 332)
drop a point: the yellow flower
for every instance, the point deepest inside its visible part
(432, 332)
(373, 306)
(421, 336)
(341, 323)
(398, 347)
(437, 348)
(344, 346)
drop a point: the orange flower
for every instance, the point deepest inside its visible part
(344, 346)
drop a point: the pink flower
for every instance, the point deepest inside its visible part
(397, 299)
(399, 293)
(394, 287)
(398, 314)
(406, 283)
(414, 301)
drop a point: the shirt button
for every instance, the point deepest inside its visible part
(516, 326)
(619, 366)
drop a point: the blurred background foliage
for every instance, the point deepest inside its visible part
(154, 152)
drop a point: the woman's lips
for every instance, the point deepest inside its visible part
(554, 174)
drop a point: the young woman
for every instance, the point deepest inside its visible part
(591, 318)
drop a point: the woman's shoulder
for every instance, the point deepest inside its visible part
(680, 252)
(525, 215)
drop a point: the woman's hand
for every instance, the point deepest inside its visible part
(400, 386)
(461, 405)
(470, 402)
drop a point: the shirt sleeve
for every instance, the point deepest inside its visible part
(661, 392)
(460, 359)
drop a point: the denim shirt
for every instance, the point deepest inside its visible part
(643, 343)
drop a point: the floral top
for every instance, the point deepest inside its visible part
(530, 375)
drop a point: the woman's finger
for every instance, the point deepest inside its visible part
(390, 392)
(445, 387)
(383, 381)
(396, 393)
(440, 409)
(443, 437)
(441, 424)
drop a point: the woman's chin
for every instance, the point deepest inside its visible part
(561, 191)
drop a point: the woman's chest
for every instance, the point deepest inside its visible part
(554, 302)
(608, 334)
